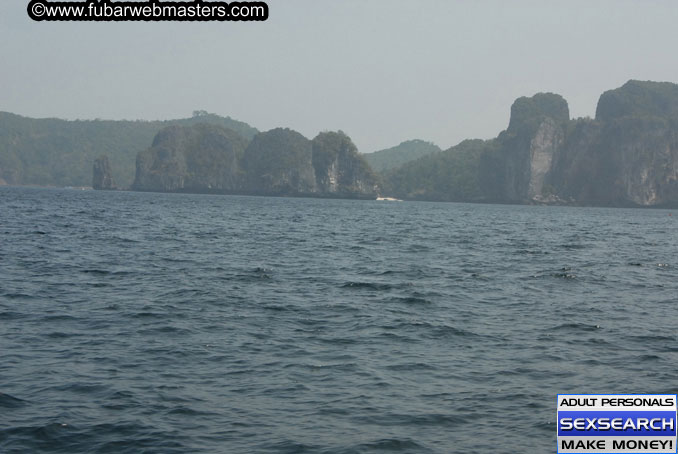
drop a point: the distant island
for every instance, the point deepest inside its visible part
(626, 156)
(391, 158)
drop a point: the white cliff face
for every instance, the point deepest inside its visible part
(333, 177)
(641, 187)
(545, 144)
(622, 162)
(339, 169)
(344, 175)
(650, 166)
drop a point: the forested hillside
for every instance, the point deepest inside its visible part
(54, 152)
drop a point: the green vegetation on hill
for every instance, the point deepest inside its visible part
(278, 162)
(627, 156)
(528, 113)
(199, 158)
(391, 158)
(451, 175)
(477, 170)
(339, 169)
(211, 159)
(639, 99)
(55, 152)
(327, 146)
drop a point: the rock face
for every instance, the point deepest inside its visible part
(339, 170)
(626, 161)
(280, 162)
(199, 158)
(102, 179)
(54, 152)
(519, 170)
(626, 156)
(546, 142)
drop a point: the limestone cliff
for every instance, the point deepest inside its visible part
(278, 162)
(54, 152)
(102, 178)
(546, 142)
(199, 158)
(339, 170)
(516, 170)
(283, 162)
(626, 156)
(625, 161)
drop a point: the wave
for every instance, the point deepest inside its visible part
(575, 327)
(383, 445)
(7, 401)
(367, 285)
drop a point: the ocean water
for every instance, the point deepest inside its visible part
(165, 323)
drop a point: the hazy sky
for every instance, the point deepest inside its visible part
(383, 71)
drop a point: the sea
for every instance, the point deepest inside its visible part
(176, 323)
